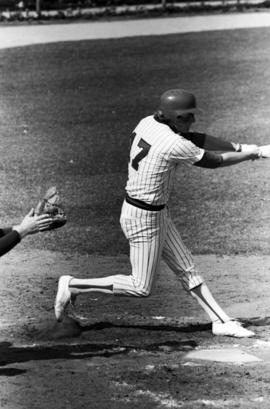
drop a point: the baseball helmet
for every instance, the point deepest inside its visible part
(178, 101)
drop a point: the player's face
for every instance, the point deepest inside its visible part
(184, 122)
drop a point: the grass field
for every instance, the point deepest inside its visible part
(67, 111)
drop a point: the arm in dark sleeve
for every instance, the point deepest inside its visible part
(210, 160)
(4, 231)
(8, 239)
(197, 138)
(212, 143)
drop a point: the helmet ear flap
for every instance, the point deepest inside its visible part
(187, 117)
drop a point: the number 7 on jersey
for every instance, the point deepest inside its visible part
(145, 147)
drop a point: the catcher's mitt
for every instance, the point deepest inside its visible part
(51, 204)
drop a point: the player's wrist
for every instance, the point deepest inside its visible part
(237, 147)
(18, 228)
(259, 154)
(255, 155)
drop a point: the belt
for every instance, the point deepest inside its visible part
(143, 205)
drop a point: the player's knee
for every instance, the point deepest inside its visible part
(129, 286)
(191, 279)
(133, 291)
(142, 292)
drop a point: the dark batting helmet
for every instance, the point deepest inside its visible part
(178, 102)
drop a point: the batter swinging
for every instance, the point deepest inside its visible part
(159, 144)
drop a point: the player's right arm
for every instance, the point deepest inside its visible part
(215, 160)
(232, 158)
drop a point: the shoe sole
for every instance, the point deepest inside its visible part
(239, 332)
(234, 335)
(59, 307)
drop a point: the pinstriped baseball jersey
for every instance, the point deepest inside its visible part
(156, 151)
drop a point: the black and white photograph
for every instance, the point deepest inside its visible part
(134, 217)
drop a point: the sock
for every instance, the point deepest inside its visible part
(84, 285)
(209, 304)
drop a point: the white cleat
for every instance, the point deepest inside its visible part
(231, 329)
(63, 297)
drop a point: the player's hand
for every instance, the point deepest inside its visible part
(32, 224)
(255, 153)
(265, 151)
(246, 148)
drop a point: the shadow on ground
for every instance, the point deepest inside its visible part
(12, 354)
(45, 349)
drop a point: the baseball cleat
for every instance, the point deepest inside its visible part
(231, 329)
(63, 297)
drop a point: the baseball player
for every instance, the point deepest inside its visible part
(160, 144)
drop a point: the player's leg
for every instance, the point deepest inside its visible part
(144, 259)
(180, 260)
(145, 232)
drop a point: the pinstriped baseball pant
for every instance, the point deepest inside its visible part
(153, 235)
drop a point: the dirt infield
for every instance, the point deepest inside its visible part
(26, 35)
(29, 285)
(126, 352)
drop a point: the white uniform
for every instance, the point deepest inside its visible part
(156, 151)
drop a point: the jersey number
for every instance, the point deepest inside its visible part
(145, 147)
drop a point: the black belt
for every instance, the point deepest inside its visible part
(143, 205)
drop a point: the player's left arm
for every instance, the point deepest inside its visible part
(212, 143)
(9, 238)
(31, 224)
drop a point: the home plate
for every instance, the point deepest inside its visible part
(223, 355)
